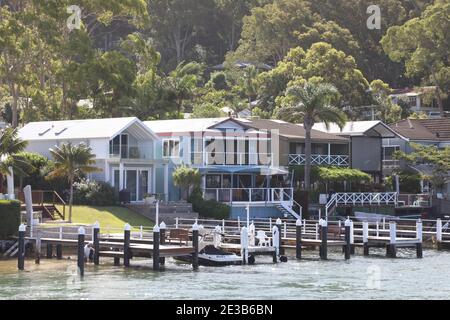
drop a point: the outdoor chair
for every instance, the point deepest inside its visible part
(263, 239)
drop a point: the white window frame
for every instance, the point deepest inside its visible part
(170, 150)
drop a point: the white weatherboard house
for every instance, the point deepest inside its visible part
(124, 149)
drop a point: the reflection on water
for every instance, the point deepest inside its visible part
(374, 277)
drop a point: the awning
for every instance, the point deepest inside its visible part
(262, 170)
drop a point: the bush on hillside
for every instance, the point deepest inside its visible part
(94, 193)
(208, 208)
(9, 217)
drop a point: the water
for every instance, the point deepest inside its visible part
(373, 277)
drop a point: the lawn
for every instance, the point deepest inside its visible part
(108, 217)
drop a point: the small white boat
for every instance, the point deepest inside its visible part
(212, 256)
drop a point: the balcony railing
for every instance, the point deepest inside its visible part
(391, 164)
(127, 152)
(246, 195)
(232, 158)
(320, 159)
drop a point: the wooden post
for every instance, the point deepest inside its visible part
(244, 245)
(439, 234)
(38, 246)
(275, 243)
(162, 240)
(366, 238)
(49, 254)
(419, 238)
(195, 229)
(347, 239)
(116, 259)
(21, 253)
(59, 254)
(392, 242)
(126, 245)
(278, 223)
(81, 236)
(298, 240)
(96, 239)
(156, 238)
(323, 246)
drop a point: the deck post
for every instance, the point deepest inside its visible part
(323, 246)
(223, 225)
(49, 254)
(162, 240)
(80, 260)
(195, 229)
(347, 239)
(278, 223)
(176, 223)
(298, 240)
(59, 251)
(244, 245)
(419, 238)
(155, 255)
(21, 253)
(392, 239)
(439, 234)
(38, 246)
(116, 259)
(96, 232)
(366, 238)
(275, 243)
(126, 245)
(252, 233)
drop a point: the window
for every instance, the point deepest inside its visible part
(171, 148)
(213, 181)
(412, 102)
(389, 152)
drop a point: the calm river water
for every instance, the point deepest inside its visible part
(373, 277)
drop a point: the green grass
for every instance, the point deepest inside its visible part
(113, 217)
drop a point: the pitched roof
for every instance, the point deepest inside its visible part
(424, 129)
(182, 125)
(290, 130)
(83, 129)
(357, 128)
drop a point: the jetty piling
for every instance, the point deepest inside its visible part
(21, 249)
(298, 241)
(439, 234)
(366, 238)
(195, 229)
(392, 252)
(156, 238)
(49, 254)
(59, 254)
(162, 240)
(276, 243)
(324, 238)
(244, 245)
(419, 230)
(347, 247)
(96, 239)
(80, 260)
(278, 224)
(37, 249)
(126, 245)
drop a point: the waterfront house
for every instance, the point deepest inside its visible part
(429, 132)
(245, 162)
(124, 149)
(416, 100)
(365, 140)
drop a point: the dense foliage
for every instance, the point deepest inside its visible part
(10, 218)
(157, 59)
(187, 179)
(94, 193)
(208, 208)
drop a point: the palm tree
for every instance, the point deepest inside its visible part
(70, 161)
(182, 81)
(310, 104)
(10, 147)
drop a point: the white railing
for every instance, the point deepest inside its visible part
(320, 159)
(232, 158)
(246, 195)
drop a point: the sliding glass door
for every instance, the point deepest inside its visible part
(135, 181)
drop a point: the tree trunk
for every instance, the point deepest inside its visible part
(1, 183)
(70, 199)
(308, 127)
(14, 109)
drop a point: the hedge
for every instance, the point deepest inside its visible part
(9, 218)
(209, 208)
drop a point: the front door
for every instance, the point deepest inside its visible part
(135, 181)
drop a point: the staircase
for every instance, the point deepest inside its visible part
(46, 203)
(286, 208)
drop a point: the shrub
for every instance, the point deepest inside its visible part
(209, 208)
(9, 217)
(94, 193)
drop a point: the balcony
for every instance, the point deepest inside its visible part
(127, 152)
(391, 164)
(232, 158)
(249, 195)
(320, 160)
